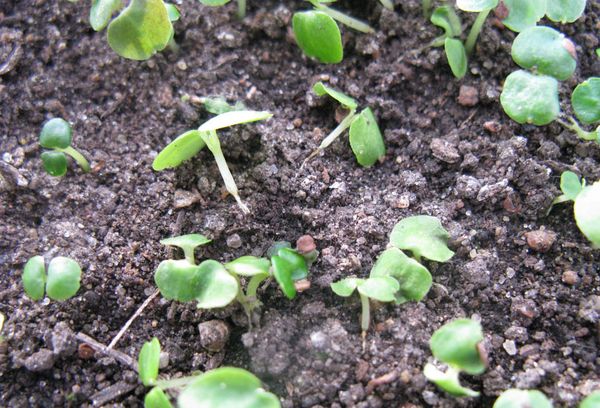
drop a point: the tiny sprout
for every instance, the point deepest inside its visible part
(515, 398)
(565, 11)
(366, 140)
(157, 398)
(483, 8)
(424, 236)
(288, 267)
(57, 135)
(216, 3)
(523, 14)
(148, 362)
(191, 142)
(459, 345)
(591, 401)
(61, 283)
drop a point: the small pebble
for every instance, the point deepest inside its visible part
(184, 198)
(540, 240)
(468, 96)
(510, 347)
(214, 335)
(41, 361)
(305, 244)
(234, 241)
(570, 277)
(85, 352)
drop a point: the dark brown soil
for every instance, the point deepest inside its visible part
(489, 187)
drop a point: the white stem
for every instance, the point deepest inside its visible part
(344, 124)
(344, 18)
(131, 319)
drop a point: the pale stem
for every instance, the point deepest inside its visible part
(78, 157)
(241, 8)
(344, 124)
(574, 127)
(253, 285)
(189, 255)
(365, 317)
(475, 30)
(240, 297)
(426, 8)
(175, 383)
(343, 18)
(387, 4)
(138, 312)
(172, 45)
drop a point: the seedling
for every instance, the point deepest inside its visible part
(523, 14)
(565, 11)
(591, 401)
(61, 282)
(58, 136)
(515, 398)
(459, 345)
(216, 3)
(318, 34)
(424, 236)
(366, 140)
(191, 142)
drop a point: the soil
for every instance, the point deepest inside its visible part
(451, 153)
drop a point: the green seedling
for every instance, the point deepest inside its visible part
(216, 3)
(366, 140)
(318, 34)
(148, 362)
(565, 11)
(591, 401)
(515, 398)
(140, 30)
(424, 236)
(191, 142)
(521, 15)
(458, 344)
(60, 283)
(58, 136)
(483, 8)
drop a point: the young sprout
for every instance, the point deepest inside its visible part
(459, 345)
(522, 14)
(191, 142)
(483, 8)
(515, 398)
(424, 236)
(61, 283)
(148, 362)
(366, 140)
(216, 3)
(58, 136)
(591, 401)
(565, 11)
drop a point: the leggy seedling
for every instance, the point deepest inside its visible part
(60, 283)
(191, 142)
(58, 136)
(366, 140)
(459, 345)
(515, 398)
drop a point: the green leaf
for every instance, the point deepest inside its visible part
(570, 185)
(318, 36)
(591, 401)
(365, 139)
(187, 242)
(347, 102)
(455, 344)
(55, 163)
(414, 279)
(381, 288)
(424, 236)
(545, 50)
(274, 249)
(64, 275)
(248, 266)
(141, 30)
(529, 98)
(56, 134)
(514, 398)
(219, 105)
(587, 213)
(214, 3)
(586, 101)
(523, 14)
(448, 381)
(282, 271)
(179, 150)
(296, 263)
(476, 5)
(232, 118)
(172, 12)
(565, 11)
(157, 398)
(457, 57)
(345, 287)
(446, 18)
(148, 362)
(227, 387)
(178, 280)
(217, 287)
(102, 11)
(34, 277)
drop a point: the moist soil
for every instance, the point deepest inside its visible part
(451, 153)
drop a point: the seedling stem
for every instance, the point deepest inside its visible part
(175, 382)
(426, 8)
(475, 30)
(365, 318)
(574, 127)
(241, 8)
(78, 157)
(342, 18)
(344, 124)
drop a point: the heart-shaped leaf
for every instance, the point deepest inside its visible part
(523, 14)
(318, 36)
(565, 11)
(64, 275)
(34, 278)
(365, 139)
(455, 344)
(586, 101)
(424, 236)
(178, 280)
(148, 362)
(217, 287)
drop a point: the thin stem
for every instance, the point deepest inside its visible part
(343, 18)
(426, 8)
(189, 255)
(241, 8)
(172, 45)
(131, 319)
(254, 283)
(574, 127)
(365, 317)
(240, 297)
(344, 124)
(475, 30)
(212, 142)
(175, 382)
(387, 4)
(78, 157)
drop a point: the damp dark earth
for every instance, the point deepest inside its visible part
(528, 276)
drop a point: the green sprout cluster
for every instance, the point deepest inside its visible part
(57, 135)
(366, 140)
(396, 277)
(221, 387)
(60, 283)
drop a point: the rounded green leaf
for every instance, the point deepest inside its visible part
(248, 266)
(476, 5)
(64, 275)
(34, 277)
(102, 11)
(591, 401)
(157, 398)
(232, 118)
(172, 12)
(587, 213)
(186, 242)
(457, 56)
(141, 30)
(529, 98)
(297, 263)
(282, 271)
(365, 139)
(55, 163)
(178, 280)
(318, 36)
(56, 134)
(382, 288)
(514, 398)
(347, 102)
(424, 236)
(546, 50)
(448, 382)
(446, 18)
(455, 344)
(179, 150)
(217, 287)
(148, 362)
(345, 287)
(586, 101)
(523, 14)
(565, 11)
(227, 387)
(414, 279)
(570, 185)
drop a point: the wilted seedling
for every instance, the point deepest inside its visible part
(61, 283)
(459, 345)
(216, 3)
(366, 140)
(591, 401)
(191, 142)
(58, 136)
(515, 398)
